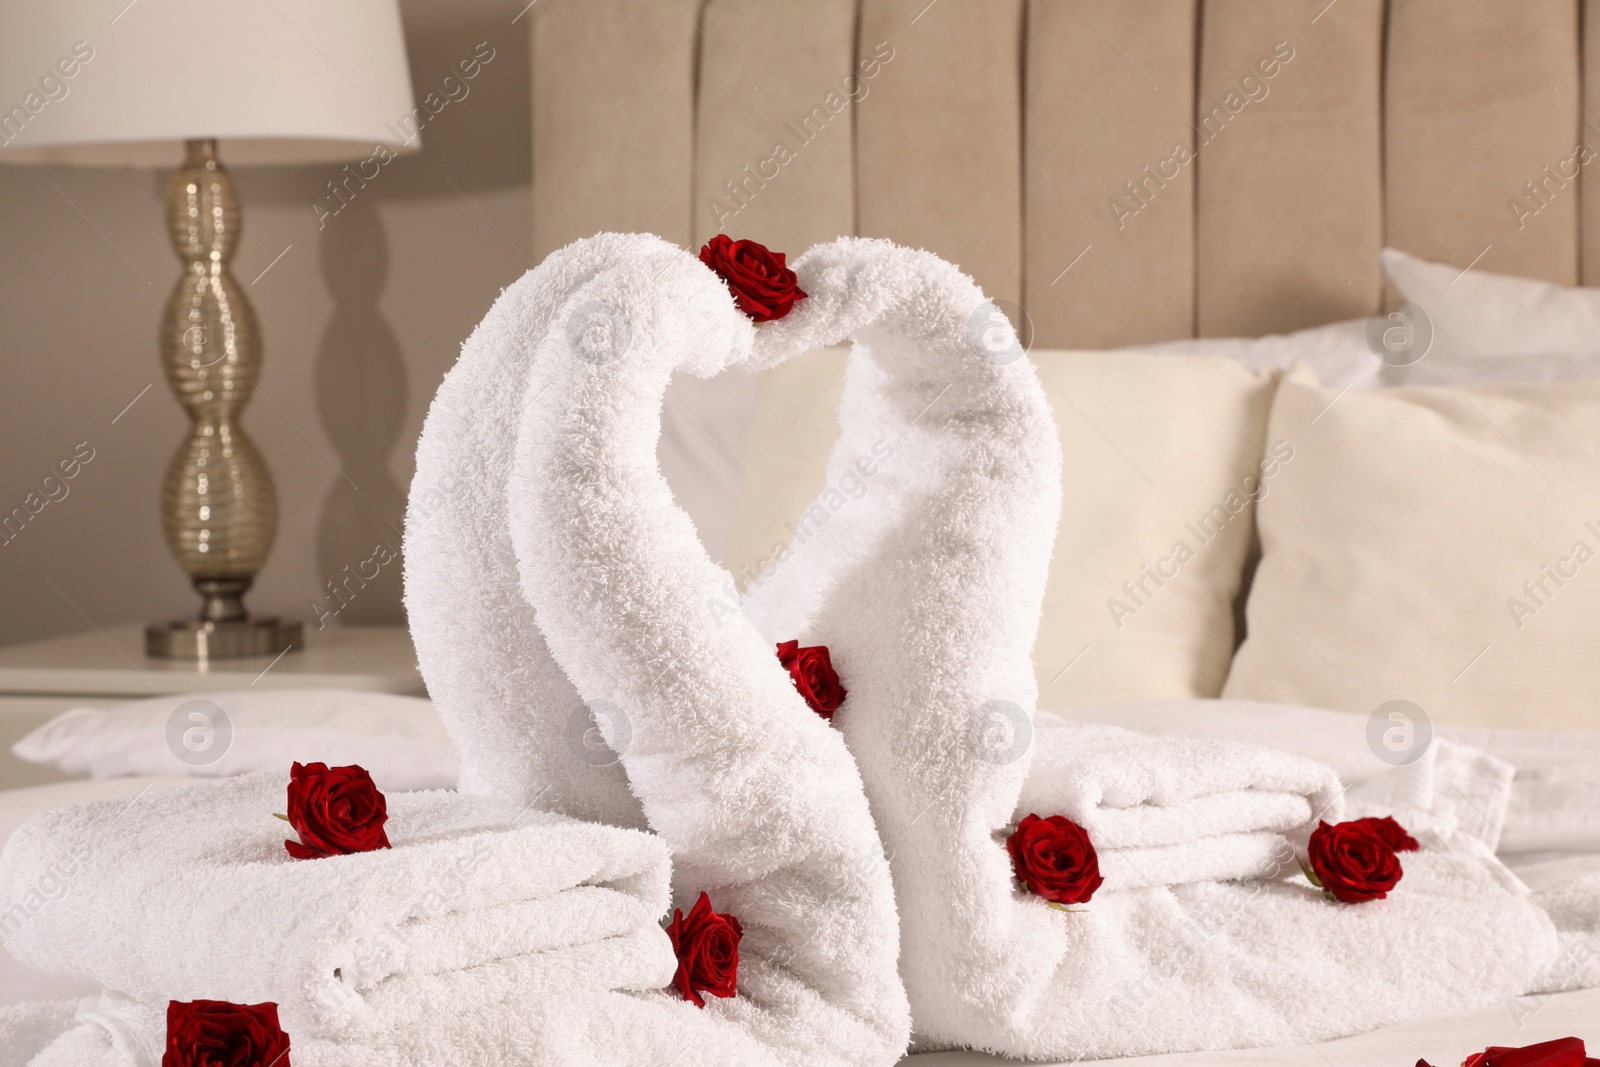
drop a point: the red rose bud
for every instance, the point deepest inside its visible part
(761, 283)
(215, 1033)
(1353, 862)
(1393, 834)
(812, 671)
(1054, 858)
(336, 811)
(707, 946)
(1562, 1052)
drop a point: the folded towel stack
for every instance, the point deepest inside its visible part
(1165, 811)
(189, 893)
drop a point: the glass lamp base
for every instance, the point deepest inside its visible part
(189, 639)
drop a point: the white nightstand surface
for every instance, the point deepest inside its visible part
(112, 662)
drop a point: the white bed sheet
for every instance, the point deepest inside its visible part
(1443, 1040)
(1331, 736)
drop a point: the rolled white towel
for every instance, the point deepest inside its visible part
(1169, 810)
(189, 893)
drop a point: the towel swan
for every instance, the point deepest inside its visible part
(705, 738)
(927, 592)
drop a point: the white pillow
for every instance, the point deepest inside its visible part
(399, 739)
(1192, 426)
(1475, 313)
(1338, 353)
(1404, 551)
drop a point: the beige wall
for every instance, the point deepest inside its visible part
(352, 364)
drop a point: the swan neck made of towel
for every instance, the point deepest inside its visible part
(756, 796)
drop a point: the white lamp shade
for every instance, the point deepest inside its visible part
(109, 82)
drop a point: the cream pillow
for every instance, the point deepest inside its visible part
(1436, 545)
(786, 460)
(1162, 451)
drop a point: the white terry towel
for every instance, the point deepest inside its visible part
(927, 593)
(189, 893)
(27, 1028)
(757, 797)
(1168, 810)
(518, 723)
(1451, 793)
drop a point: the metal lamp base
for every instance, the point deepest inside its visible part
(190, 639)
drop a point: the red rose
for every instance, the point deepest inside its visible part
(1054, 858)
(762, 284)
(1394, 835)
(1352, 862)
(707, 946)
(335, 811)
(215, 1033)
(812, 671)
(1562, 1052)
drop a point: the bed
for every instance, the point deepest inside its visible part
(1040, 146)
(1552, 831)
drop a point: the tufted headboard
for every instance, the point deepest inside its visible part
(1127, 170)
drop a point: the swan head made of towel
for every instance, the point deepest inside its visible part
(935, 378)
(927, 373)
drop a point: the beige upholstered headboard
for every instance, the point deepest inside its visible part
(1127, 170)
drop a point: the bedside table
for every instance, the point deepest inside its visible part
(41, 679)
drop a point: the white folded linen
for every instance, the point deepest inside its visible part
(1168, 810)
(189, 893)
(928, 599)
(1555, 796)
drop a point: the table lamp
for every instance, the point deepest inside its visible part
(158, 83)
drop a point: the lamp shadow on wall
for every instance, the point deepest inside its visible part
(361, 394)
(476, 144)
